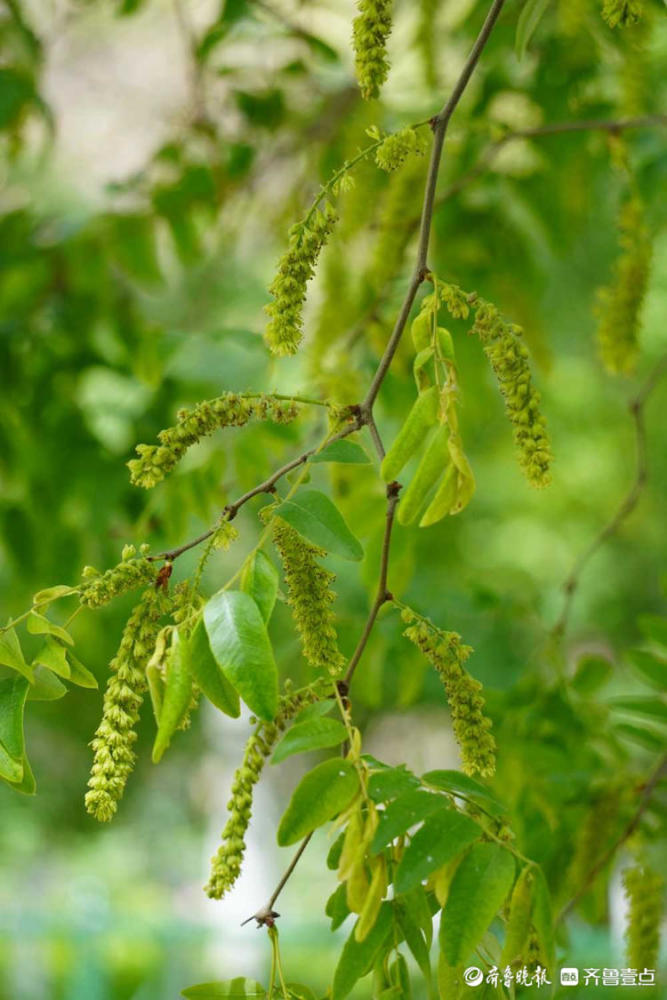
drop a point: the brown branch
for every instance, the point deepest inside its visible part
(658, 773)
(627, 505)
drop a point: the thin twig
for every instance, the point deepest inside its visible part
(658, 773)
(627, 505)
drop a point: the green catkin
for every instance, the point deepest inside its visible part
(644, 890)
(131, 572)
(397, 147)
(310, 597)
(401, 202)
(370, 31)
(113, 744)
(447, 654)
(619, 304)
(426, 41)
(284, 331)
(622, 12)
(508, 357)
(226, 863)
(594, 833)
(229, 410)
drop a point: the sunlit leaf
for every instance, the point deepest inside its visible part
(314, 516)
(320, 795)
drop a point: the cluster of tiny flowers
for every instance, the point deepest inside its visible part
(622, 12)
(456, 300)
(397, 147)
(370, 31)
(226, 863)
(131, 572)
(115, 736)
(310, 597)
(595, 830)
(400, 202)
(229, 410)
(445, 651)
(296, 267)
(508, 357)
(620, 304)
(644, 890)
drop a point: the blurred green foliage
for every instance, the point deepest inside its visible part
(117, 309)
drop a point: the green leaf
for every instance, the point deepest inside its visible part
(529, 18)
(337, 907)
(300, 992)
(314, 734)
(645, 738)
(27, 785)
(11, 654)
(404, 812)
(652, 668)
(40, 625)
(479, 888)
(442, 837)
(46, 686)
(208, 674)
(542, 916)
(414, 940)
(652, 708)
(49, 594)
(260, 580)
(240, 644)
(80, 675)
(320, 795)
(654, 628)
(393, 781)
(316, 710)
(591, 673)
(230, 988)
(13, 693)
(341, 451)
(464, 787)
(314, 516)
(54, 656)
(176, 698)
(357, 957)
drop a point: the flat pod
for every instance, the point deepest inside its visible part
(409, 439)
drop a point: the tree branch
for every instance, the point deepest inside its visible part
(628, 503)
(658, 773)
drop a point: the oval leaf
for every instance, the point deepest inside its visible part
(11, 654)
(40, 625)
(464, 787)
(442, 837)
(341, 451)
(407, 810)
(230, 988)
(13, 692)
(46, 686)
(357, 957)
(314, 734)
(260, 580)
(314, 516)
(479, 888)
(208, 674)
(240, 644)
(319, 796)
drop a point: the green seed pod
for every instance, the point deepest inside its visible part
(177, 696)
(442, 879)
(423, 415)
(353, 847)
(356, 887)
(433, 461)
(518, 921)
(421, 330)
(444, 500)
(374, 897)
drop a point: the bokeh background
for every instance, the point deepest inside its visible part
(154, 156)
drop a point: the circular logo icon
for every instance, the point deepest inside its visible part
(473, 976)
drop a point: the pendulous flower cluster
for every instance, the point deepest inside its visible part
(446, 652)
(113, 744)
(622, 12)
(229, 410)
(226, 863)
(397, 147)
(296, 267)
(131, 572)
(508, 357)
(310, 597)
(370, 31)
(644, 891)
(619, 305)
